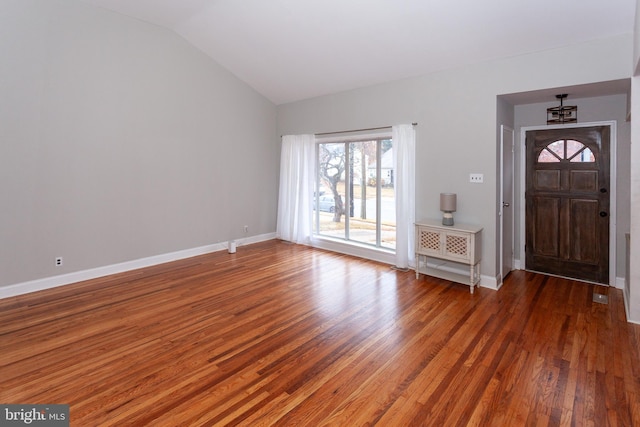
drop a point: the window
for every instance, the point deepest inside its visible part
(354, 197)
(566, 150)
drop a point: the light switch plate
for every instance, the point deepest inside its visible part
(476, 178)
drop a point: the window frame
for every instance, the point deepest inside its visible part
(347, 140)
(566, 156)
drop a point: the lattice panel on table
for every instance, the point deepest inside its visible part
(429, 240)
(456, 245)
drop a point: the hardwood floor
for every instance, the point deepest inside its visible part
(282, 334)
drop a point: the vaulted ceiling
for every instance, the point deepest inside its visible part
(290, 50)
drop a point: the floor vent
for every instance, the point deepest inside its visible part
(600, 298)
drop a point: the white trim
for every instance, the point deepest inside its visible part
(354, 249)
(490, 282)
(93, 273)
(613, 142)
(504, 128)
(518, 264)
(627, 309)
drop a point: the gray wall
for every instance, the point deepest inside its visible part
(119, 141)
(457, 115)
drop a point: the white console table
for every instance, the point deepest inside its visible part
(460, 243)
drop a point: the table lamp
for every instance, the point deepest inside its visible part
(448, 206)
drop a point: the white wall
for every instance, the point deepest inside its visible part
(120, 141)
(457, 119)
(636, 40)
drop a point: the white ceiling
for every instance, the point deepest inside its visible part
(290, 50)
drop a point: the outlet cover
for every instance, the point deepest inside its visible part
(59, 261)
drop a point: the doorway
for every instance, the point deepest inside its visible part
(567, 193)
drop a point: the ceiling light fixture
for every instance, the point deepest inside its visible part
(562, 113)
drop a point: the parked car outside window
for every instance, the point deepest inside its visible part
(326, 204)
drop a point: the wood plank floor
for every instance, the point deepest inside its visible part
(282, 334)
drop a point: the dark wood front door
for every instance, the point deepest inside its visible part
(567, 202)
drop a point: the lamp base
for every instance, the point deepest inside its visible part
(447, 219)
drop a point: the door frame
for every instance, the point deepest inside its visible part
(612, 193)
(507, 129)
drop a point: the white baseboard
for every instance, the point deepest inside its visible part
(93, 273)
(490, 282)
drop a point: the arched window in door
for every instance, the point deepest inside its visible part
(566, 150)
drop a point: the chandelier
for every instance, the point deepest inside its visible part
(562, 113)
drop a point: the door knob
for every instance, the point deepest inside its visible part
(505, 204)
(603, 214)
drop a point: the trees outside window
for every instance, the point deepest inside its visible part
(355, 198)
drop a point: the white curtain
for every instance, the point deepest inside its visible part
(404, 148)
(297, 174)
